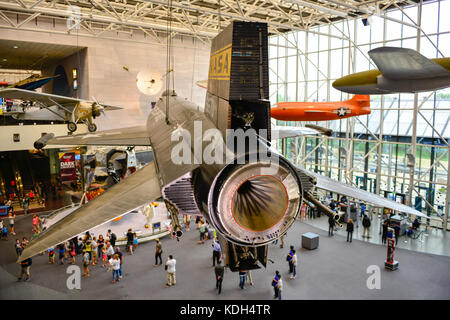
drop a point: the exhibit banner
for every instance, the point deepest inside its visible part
(68, 172)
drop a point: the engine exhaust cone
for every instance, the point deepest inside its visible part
(259, 203)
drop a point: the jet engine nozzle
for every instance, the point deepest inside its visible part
(256, 202)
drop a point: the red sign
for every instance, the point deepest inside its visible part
(68, 172)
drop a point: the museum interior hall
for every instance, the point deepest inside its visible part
(302, 140)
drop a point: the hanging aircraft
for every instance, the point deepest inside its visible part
(51, 107)
(33, 82)
(399, 70)
(215, 162)
(322, 111)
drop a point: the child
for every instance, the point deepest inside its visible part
(135, 241)
(86, 262)
(51, 255)
(5, 233)
(94, 251)
(104, 256)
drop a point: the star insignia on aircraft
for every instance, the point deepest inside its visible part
(341, 112)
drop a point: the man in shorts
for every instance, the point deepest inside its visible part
(25, 270)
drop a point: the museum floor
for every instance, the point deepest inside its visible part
(336, 270)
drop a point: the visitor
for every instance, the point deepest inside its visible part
(397, 233)
(112, 238)
(384, 234)
(282, 241)
(187, 221)
(114, 263)
(158, 252)
(350, 230)
(135, 241)
(94, 249)
(202, 231)
(217, 251)
(4, 232)
(100, 245)
(61, 251)
(104, 256)
(24, 242)
(72, 252)
(170, 267)
(242, 275)
(51, 255)
(109, 250)
(366, 225)
(280, 286)
(248, 277)
(12, 217)
(294, 265)
(117, 250)
(86, 261)
(18, 247)
(219, 271)
(416, 224)
(26, 203)
(289, 259)
(130, 238)
(88, 248)
(25, 269)
(275, 284)
(331, 224)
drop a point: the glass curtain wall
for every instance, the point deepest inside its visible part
(372, 152)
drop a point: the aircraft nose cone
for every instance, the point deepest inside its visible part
(276, 112)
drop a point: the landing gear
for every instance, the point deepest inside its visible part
(92, 127)
(72, 126)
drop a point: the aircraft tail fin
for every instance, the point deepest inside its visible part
(361, 100)
(238, 78)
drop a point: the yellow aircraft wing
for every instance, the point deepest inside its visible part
(403, 63)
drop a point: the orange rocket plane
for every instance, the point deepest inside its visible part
(322, 111)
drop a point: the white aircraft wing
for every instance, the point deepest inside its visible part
(134, 136)
(331, 185)
(129, 194)
(403, 63)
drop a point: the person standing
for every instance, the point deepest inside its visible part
(61, 251)
(366, 225)
(114, 263)
(350, 230)
(12, 217)
(94, 251)
(158, 252)
(242, 275)
(282, 241)
(280, 287)
(396, 233)
(384, 234)
(170, 267)
(219, 271)
(86, 261)
(26, 203)
(248, 277)
(275, 284)
(217, 251)
(202, 231)
(130, 238)
(25, 269)
(109, 250)
(112, 238)
(294, 265)
(330, 226)
(289, 259)
(120, 255)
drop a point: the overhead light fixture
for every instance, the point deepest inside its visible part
(318, 7)
(4, 59)
(15, 47)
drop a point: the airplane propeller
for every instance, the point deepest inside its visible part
(99, 108)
